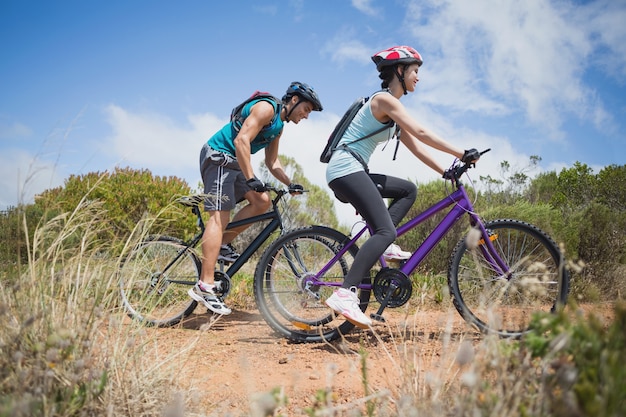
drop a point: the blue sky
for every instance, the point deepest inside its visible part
(89, 85)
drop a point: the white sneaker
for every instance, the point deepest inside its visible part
(394, 252)
(345, 302)
(208, 297)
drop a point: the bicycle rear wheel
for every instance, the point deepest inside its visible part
(503, 302)
(154, 279)
(291, 302)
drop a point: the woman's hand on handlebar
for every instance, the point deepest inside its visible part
(449, 174)
(469, 159)
(470, 156)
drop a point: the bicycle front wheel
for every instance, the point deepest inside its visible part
(501, 299)
(154, 279)
(289, 296)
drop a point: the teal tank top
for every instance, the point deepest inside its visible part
(224, 139)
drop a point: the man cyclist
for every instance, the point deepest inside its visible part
(228, 177)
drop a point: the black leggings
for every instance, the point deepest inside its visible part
(366, 193)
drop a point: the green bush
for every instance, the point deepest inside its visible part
(603, 248)
(543, 216)
(14, 237)
(129, 196)
(584, 373)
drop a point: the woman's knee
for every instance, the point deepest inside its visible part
(411, 190)
(389, 233)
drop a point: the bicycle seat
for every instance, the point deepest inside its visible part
(192, 200)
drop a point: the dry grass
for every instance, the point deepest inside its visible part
(55, 360)
(65, 351)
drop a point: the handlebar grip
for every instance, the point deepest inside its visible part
(460, 169)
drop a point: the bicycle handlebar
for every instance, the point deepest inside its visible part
(196, 200)
(459, 169)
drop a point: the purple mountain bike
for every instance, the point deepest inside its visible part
(499, 274)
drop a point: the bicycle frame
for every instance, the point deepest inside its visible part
(461, 205)
(498, 275)
(275, 223)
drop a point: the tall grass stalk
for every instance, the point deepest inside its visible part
(66, 347)
(482, 375)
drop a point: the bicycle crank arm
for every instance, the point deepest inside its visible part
(378, 316)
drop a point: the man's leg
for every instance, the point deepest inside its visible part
(258, 203)
(213, 234)
(219, 185)
(204, 291)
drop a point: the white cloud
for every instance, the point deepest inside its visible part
(23, 175)
(14, 132)
(603, 21)
(497, 58)
(155, 142)
(365, 6)
(344, 48)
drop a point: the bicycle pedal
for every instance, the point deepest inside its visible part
(378, 317)
(222, 265)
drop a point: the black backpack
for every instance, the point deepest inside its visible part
(340, 129)
(237, 119)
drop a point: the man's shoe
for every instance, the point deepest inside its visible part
(209, 299)
(395, 253)
(228, 253)
(345, 302)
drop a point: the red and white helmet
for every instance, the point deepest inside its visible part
(396, 55)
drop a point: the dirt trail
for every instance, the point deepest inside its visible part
(235, 357)
(238, 355)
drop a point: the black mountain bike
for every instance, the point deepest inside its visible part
(155, 276)
(498, 275)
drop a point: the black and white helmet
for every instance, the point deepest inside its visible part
(305, 92)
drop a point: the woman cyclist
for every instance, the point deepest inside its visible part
(351, 182)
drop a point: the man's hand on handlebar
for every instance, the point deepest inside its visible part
(295, 189)
(256, 184)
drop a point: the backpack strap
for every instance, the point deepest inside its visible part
(237, 118)
(397, 135)
(356, 156)
(346, 147)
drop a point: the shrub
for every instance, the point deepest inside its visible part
(129, 196)
(584, 373)
(63, 349)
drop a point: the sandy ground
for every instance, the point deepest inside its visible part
(234, 358)
(225, 364)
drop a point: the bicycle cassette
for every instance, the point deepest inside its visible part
(393, 286)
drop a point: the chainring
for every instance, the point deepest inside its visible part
(224, 283)
(397, 281)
